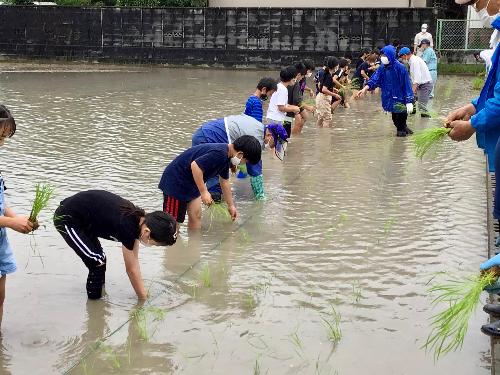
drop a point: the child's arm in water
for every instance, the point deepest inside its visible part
(131, 258)
(228, 197)
(20, 224)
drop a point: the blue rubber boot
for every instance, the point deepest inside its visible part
(257, 184)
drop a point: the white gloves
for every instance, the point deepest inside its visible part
(409, 108)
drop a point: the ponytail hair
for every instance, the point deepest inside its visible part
(130, 209)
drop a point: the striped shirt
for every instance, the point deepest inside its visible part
(254, 108)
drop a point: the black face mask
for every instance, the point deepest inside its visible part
(263, 97)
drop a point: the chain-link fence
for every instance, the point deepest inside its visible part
(462, 35)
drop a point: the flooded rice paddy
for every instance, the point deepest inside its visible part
(326, 277)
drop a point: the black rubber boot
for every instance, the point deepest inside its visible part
(492, 329)
(492, 309)
(409, 131)
(95, 282)
(401, 133)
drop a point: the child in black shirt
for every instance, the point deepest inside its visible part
(89, 215)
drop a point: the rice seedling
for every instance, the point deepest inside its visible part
(356, 291)
(424, 140)
(205, 276)
(111, 355)
(43, 193)
(141, 316)
(308, 101)
(449, 327)
(243, 168)
(332, 325)
(297, 342)
(249, 300)
(256, 367)
(388, 225)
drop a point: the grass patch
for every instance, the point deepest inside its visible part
(426, 139)
(456, 68)
(449, 326)
(478, 83)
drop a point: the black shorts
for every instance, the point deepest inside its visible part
(85, 244)
(175, 207)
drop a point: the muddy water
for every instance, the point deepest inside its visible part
(354, 227)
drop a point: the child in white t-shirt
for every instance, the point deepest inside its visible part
(278, 105)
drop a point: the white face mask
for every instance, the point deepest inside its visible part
(384, 60)
(266, 146)
(308, 75)
(424, 31)
(235, 160)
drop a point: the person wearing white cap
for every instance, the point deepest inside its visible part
(424, 34)
(487, 10)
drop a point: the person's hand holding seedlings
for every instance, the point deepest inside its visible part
(461, 130)
(492, 262)
(21, 224)
(206, 197)
(462, 113)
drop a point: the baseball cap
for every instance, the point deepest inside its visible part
(424, 26)
(404, 51)
(425, 41)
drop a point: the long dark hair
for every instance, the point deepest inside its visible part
(7, 120)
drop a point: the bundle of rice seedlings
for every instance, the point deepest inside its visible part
(243, 168)
(462, 296)
(309, 101)
(205, 276)
(219, 211)
(43, 193)
(424, 140)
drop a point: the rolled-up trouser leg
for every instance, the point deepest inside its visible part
(423, 93)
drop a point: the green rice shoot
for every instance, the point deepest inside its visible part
(219, 212)
(461, 295)
(243, 168)
(142, 315)
(205, 276)
(426, 139)
(331, 321)
(43, 193)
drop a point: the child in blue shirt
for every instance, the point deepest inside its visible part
(8, 218)
(183, 180)
(265, 88)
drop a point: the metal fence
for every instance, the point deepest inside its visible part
(462, 35)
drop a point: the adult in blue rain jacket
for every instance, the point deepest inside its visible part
(397, 93)
(482, 116)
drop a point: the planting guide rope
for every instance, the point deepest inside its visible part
(149, 301)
